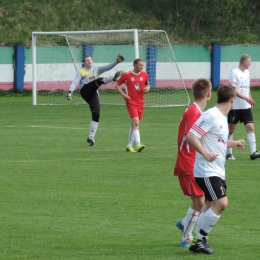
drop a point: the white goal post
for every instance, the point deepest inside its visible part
(56, 57)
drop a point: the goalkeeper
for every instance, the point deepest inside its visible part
(89, 80)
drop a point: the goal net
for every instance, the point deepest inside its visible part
(57, 56)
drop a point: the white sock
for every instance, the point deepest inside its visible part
(136, 135)
(108, 79)
(183, 221)
(209, 221)
(93, 129)
(191, 219)
(199, 221)
(252, 142)
(229, 150)
(131, 138)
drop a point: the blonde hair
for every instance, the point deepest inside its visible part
(244, 57)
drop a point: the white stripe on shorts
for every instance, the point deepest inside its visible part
(210, 189)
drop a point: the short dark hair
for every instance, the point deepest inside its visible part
(225, 93)
(83, 60)
(200, 88)
(136, 61)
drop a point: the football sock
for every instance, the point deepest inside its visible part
(131, 137)
(209, 221)
(191, 219)
(136, 135)
(183, 221)
(93, 128)
(252, 142)
(229, 150)
(199, 222)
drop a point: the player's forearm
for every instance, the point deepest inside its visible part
(147, 88)
(194, 141)
(123, 94)
(72, 87)
(107, 67)
(240, 95)
(75, 82)
(230, 143)
(118, 88)
(238, 144)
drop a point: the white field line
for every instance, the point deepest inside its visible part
(74, 128)
(78, 159)
(43, 126)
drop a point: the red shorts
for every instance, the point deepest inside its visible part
(189, 186)
(135, 110)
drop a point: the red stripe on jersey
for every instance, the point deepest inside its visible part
(198, 129)
(233, 83)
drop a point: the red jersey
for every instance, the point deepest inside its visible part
(186, 153)
(134, 85)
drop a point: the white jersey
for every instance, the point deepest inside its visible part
(241, 81)
(212, 130)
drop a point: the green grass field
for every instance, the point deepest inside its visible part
(61, 199)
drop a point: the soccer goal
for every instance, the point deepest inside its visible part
(57, 56)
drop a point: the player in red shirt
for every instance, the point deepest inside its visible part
(136, 83)
(184, 166)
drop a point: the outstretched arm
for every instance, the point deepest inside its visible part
(111, 65)
(104, 68)
(119, 58)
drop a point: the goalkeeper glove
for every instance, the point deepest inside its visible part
(69, 95)
(119, 58)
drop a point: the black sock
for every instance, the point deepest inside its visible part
(203, 233)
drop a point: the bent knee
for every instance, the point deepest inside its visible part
(222, 206)
(198, 203)
(249, 128)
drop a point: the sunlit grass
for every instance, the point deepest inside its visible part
(61, 199)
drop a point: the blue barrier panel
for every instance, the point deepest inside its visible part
(19, 67)
(87, 50)
(151, 64)
(215, 65)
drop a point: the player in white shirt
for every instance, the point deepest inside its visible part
(242, 110)
(184, 166)
(209, 137)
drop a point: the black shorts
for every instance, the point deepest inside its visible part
(213, 187)
(240, 115)
(89, 90)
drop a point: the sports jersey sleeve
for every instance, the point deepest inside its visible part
(121, 80)
(190, 117)
(202, 125)
(75, 82)
(107, 67)
(147, 80)
(233, 78)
